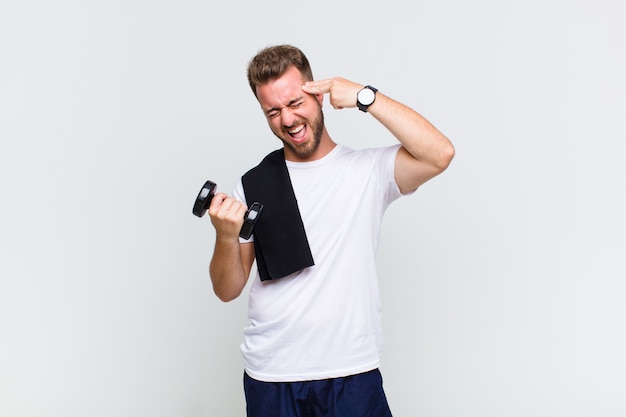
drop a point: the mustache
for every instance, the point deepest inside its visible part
(294, 124)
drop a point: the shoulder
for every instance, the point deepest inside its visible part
(382, 154)
(273, 158)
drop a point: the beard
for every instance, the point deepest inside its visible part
(308, 148)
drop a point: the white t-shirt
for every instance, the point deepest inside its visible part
(324, 321)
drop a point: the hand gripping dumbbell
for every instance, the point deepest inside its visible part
(204, 200)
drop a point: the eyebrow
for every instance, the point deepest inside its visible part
(291, 103)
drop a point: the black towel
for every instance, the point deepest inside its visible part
(280, 242)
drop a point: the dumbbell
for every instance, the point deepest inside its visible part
(203, 200)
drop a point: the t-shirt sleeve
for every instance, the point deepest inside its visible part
(385, 172)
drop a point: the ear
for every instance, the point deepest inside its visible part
(320, 98)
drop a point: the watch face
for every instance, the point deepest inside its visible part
(366, 96)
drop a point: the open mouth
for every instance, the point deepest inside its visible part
(297, 133)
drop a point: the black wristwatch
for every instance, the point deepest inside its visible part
(365, 97)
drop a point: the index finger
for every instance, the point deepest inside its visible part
(317, 87)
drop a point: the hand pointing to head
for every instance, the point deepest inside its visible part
(341, 92)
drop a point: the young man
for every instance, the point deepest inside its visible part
(313, 344)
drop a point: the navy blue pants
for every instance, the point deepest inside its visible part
(358, 395)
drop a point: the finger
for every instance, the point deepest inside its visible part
(241, 211)
(221, 206)
(230, 207)
(317, 87)
(232, 210)
(217, 201)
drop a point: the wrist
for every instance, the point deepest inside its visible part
(366, 97)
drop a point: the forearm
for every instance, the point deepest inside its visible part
(226, 269)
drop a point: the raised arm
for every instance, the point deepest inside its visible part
(231, 262)
(425, 151)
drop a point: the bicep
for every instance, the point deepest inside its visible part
(410, 173)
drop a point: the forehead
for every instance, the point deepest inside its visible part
(281, 90)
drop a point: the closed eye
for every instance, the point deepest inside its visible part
(293, 104)
(297, 104)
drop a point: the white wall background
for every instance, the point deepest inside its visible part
(502, 279)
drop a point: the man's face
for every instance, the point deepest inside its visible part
(294, 116)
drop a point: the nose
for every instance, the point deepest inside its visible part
(287, 117)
